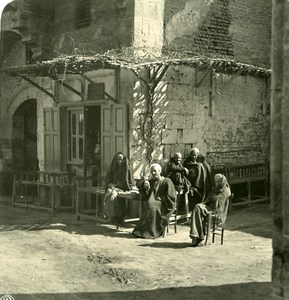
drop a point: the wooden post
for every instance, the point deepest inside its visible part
(278, 157)
(285, 154)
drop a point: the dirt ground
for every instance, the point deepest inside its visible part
(58, 257)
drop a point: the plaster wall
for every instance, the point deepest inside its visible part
(148, 26)
(111, 27)
(13, 52)
(132, 92)
(7, 19)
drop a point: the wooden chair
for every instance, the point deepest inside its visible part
(215, 227)
(174, 217)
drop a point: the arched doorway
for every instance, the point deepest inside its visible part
(24, 136)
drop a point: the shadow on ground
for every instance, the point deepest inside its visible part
(261, 290)
(255, 220)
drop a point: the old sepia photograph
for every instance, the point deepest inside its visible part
(144, 149)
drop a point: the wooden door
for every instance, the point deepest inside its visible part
(51, 139)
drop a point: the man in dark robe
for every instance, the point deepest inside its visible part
(209, 181)
(197, 177)
(177, 172)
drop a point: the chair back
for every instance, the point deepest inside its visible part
(221, 215)
(230, 199)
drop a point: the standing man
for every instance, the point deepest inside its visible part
(198, 178)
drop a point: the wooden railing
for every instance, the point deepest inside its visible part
(43, 190)
(57, 190)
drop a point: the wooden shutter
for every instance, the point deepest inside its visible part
(119, 128)
(106, 145)
(51, 139)
(113, 132)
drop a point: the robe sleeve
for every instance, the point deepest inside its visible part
(168, 197)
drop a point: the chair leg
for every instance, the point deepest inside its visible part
(222, 235)
(208, 233)
(175, 224)
(214, 230)
(165, 231)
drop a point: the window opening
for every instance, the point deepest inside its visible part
(76, 124)
(29, 54)
(83, 13)
(93, 139)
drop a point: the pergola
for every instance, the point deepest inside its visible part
(147, 68)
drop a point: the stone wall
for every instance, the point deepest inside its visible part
(14, 93)
(229, 125)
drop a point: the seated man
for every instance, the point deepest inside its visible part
(177, 172)
(119, 178)
(216, 201)
(159, 195)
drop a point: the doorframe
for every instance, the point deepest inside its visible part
(80, 106)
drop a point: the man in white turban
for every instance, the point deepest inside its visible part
(159, 196)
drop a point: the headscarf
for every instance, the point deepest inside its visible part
(195, 149)
(110, 177)
(157, 166)
(222, 183)
(218, 198)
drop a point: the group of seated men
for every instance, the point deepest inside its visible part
(194, 176)
(159, 193)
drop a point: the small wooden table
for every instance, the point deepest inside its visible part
(99, 193)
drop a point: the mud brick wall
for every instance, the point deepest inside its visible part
(239, 29)
(111, 27)
(251, 31)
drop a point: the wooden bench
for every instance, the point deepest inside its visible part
(42, 190)
(247, 175)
